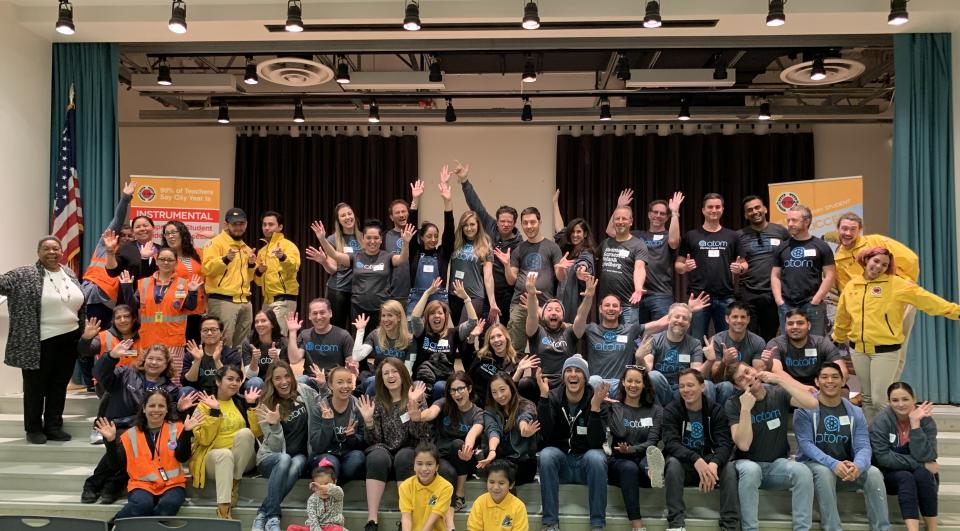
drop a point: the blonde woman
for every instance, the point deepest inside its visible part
(499, 355)
(390, 339)
(472, 264)
(345, 239)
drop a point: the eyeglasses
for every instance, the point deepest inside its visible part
(641, 368)
(457, 390)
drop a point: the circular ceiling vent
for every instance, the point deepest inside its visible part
(838, 71)
(294, 72)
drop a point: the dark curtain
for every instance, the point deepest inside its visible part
(304, 177)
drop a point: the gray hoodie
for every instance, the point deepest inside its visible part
(885, 439)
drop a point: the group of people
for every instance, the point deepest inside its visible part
(442, 353)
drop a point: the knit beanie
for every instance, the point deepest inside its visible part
(577, 362)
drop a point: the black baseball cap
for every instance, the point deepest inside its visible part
(236, 214)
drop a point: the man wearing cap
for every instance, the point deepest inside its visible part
(573, 435)
(229, 265)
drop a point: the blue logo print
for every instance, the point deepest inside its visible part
(696, 429)
(670, 356)
(797, 259)
(609, 336)
(831, 423)
(832, 436)
(797, 252)
(533, 262)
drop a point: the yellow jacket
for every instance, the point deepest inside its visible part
(208, 432)
(508, 515)
(870, 312)
(280, 278)
(908, 264)
(233, 279)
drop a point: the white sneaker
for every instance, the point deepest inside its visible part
(96, 437)
(273, 524)
(676, 529)
(655, 464)
(258, 521)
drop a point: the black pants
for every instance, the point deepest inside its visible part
(340, 307)
(678, 475)
(630, 473)
(504, 296)
(457, 313)
(105, 478)
(526, 470)
(914, 489)
(45, 389)
(764, 316)
(380, 462)
(373, 315)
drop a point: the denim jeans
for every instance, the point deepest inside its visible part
(557, 466)
(143, 503)
(349, 466)
(816, 314)
(716, 312)
(781, 474)
(631, 474)
(724, 391)
(665, 392)
(678, 474)
(254, 382)
(283, 470)
(630, 314)
(875, 494)
(916, 491)
(595, 381)
(654, 306)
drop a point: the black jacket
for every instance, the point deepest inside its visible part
(556, 429)
(718, 442)
(128, 258)
(125, 387)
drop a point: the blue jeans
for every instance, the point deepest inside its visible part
(654, 306)
(781, 474)
(143, 503)
(255, 382)
(283, 470)
(716, 312)
(874, 492)
(816, 314)
(595, 381)
(557, 466)
(437, 391)
(630, 314)
(725, 390)
(666, 392)
(631, 474)
(916, 491)
(348, 467)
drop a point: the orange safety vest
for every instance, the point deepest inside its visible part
(154, 472)
(97, 273)
(166, 322)
(108, 341)
(186, 268)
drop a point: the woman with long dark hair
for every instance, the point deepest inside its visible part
(577, 243)
(176, 236)
(512, 432)
(430, 251)
(265, 347)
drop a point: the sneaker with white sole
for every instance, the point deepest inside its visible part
(676, 529)
(96, 437)
(655, 464)
(273, 524)
(259, 521)
(551, 527)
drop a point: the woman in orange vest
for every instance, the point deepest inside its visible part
(164, 301)
(94, 342)
(151, 452)
(177, 236)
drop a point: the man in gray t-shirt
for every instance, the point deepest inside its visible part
(799, 354)
(667, 353)
(623, 265)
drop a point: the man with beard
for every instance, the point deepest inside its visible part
(834, 442)
(798, 354)
(573, 434)
(229, 264)
(667, 353)
(401, 214)
(623, 266)
(803, 271)
(551, 340)
(736, 343)
(758, 240)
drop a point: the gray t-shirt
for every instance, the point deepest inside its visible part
(801, 266)
(670, 358)
(660, 261)
(633, 425)
(693, 436)
(834, 436)
(748, 349)
(756, 247)
(537, 257)
(617, 261)
(610, 349)
(325, 350)
(447, 430)
(467, 267)
(553, 348)
(341, 280)
(371, 279)
(769, 422)
(804, 363)
(400, 287)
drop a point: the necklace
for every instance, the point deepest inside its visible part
(49, 276)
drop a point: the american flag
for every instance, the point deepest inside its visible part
(67, 210)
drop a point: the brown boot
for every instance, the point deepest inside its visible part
(223, 511)
(235, 493)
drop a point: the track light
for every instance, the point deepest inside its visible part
(411, 17)
(527, 114)
(374, 116)
(451, 113)
(605, 109)
(775, 15)
(250, 76)
(529, 71)
(294, 16)
(298, 113)
(652, 18)
(65, 19)
(623, 68)
(531, 16)
(684, 114)
(719, 68)
(898, 13)
(163, 73)
(764, 111)
(436, 75)
(223, 116)
(343, 71)
(818, 72)
(178, 17)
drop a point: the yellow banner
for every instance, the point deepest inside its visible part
(826, 198)
(195, 201)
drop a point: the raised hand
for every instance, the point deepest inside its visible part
(294, 324)
(195, 419)
(209, 400)
(435, 285)
(318, 230)
(503, 256)
(125, 277)
(542, 383)
(195, 350)
(730, 354)
(528, 362)
(273, 352)
(360, 323)
(366, 407)
(674, 203)
(146, 252)
(556, 196)
(625, 197)
(217, 351)
(528, 429)
(478, 330)
(699, 302)
(583, 274)
(709, 351)
(319, 375)
(270, 416)
(416, 189)
(445, 174)
(767, 355)
(111, 241)
(646, 347)
(747, 400)
(459, 290)
(187, 401)
(129, 188)
(316, 255)
(353, 366)
(416, 392)
(232, 253)
(106, 428)
(408, 232)
(252, 258)
(196, 281)
(121, 349)
(255, 354)
(461, 171)
(531, 283)
(261, 264)
(91, 327)
(736, 266)
(591, 287)
(601, 392)
(445, 191)
(923, 409)
(565, 262)
(689, 264)
(251, 395)
(325, 410)
(351, 428)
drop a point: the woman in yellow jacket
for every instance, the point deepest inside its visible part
(223, 445)
(870, 317)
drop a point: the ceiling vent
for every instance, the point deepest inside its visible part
(838, 70)
(294, 72)
(679, 78)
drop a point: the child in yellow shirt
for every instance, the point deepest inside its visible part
(425, 497)
(498, 509)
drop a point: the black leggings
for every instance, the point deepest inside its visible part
(380, 463)
(451, 466)
(458, 309)
(340, 306)
(914, 489)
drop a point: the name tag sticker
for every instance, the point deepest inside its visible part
(773, 424)
(581, 430)
(683, 358)
(458, 274)
(621, 338)
(428, 268)
(443, 343)
(844, 420)
(657, 237)
(379, 267)
(405, 418)
(348, 250)
(623, 253)
(809, 252)
(893, 437)
(180, 294)
(713, 253)
(810, 352)
(646, 422)
(774, 242)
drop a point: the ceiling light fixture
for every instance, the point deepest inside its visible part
(374, 116)
(163, 73)
(294, 16)
(178, 17)
(765, 112)
(451, 115)
(684, 114)
(898, 13)
(298, 113)
(250, 76)
(65, 19)
(343, 71)
(223, 116)
(531, 16)
(775, 14)
(527, 114)
(818, 72)
(411, 17)
(623, 67)
(436, 75)
(719, 68)
(605, 109)
(652, 18)
(529, 71)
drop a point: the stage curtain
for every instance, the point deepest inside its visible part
(922, 204)
(92, 70)
(304, 177)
